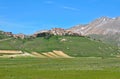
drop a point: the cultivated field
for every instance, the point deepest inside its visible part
(75, 68)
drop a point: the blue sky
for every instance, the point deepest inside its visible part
(29, 16)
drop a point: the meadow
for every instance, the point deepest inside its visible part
(73, 68)
(73, 45)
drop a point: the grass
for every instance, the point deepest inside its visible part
(76, 68)
(92, 59)
(73, 46)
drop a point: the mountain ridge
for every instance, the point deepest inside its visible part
(102, 25)
(104, 28)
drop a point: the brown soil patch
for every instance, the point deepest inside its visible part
(48, 55)
(38, 55)
(16, 53)
(61, 54)
(10, 52)
(54, 55)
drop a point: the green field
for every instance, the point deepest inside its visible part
(76, 68)
(73, 46)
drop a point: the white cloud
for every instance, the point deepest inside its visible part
(71, 8)
(62, 6)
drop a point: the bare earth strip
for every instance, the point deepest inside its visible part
(10, 52)
(16, 53)
(54, 55)
(48, 55)
(60, 53)
(38, 55)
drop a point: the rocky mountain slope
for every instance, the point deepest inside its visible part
(103, 28)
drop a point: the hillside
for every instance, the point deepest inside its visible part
(71, 45)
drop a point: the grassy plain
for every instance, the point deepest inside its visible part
(75, 68)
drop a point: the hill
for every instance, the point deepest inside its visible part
(72, 45)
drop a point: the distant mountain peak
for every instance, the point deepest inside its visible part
(103, 25)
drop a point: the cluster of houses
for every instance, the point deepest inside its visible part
(55, 31)
(22, 36)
